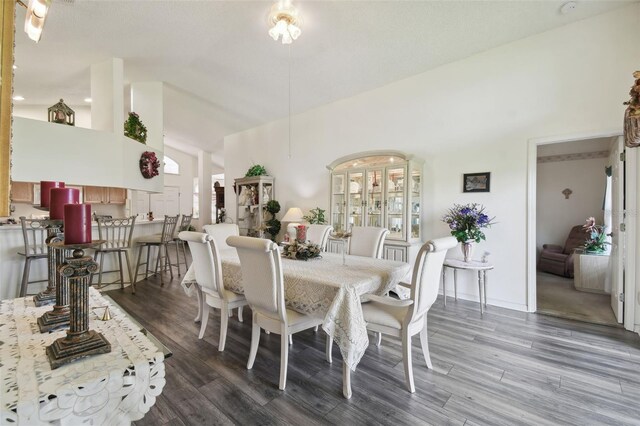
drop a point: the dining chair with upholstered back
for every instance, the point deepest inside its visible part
(319, 234)
(263, 285)
(208, 270)
(117, 234)
(220, 232)
(35, 233)
(406, 318)
(160, 241)
(367, 241)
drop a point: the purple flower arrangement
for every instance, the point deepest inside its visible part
(467, 221)
(596, 241)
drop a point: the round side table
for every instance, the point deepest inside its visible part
(474, 265)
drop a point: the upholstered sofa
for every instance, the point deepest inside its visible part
(558, 260)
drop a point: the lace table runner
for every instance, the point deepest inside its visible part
(325, 287)
(110, 389)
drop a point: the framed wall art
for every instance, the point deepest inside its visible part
(476, 182)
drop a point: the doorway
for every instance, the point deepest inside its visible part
(576, 179)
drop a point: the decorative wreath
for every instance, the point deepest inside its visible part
(149, 164)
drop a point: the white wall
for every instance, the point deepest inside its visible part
(39, 112)
(555, 215)
(474, 115)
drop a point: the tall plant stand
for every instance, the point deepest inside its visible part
(79, 341)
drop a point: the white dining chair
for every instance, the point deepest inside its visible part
(263, 285)
(406, 318)
(208, 269)
(319, 234)
(220, 232)
(367, 241)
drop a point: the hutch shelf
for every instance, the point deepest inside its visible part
(252, 195)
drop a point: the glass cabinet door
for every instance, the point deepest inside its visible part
(338, 202)
(395, 202)
(356, 200)
(373, 202)
(415, 191)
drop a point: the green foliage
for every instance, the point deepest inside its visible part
(134, 129)
(273, 207)
(256, 170)
(316, 216)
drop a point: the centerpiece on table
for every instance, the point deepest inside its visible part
(596, 242)
(466, 223)
(301, 251)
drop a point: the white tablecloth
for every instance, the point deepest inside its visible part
(107, 389)
(326, 287)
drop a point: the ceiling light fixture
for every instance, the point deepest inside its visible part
(18, 98)
(284, 21)
(36, 14)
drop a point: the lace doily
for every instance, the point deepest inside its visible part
(113, 388)
(324, 286)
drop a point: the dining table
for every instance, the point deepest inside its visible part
(331, 286)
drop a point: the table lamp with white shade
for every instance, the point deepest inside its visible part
(294, 216)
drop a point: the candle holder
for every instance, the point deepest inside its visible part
(48, 296)
(59, 316)
(79, 341)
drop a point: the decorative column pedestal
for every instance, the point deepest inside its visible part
(79, 341)
(48, 296)
(59, 316)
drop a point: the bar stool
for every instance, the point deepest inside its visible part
(185, 223)
(118, 234)
(35, 233)
(160, 241)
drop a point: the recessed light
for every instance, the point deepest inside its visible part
(18, 98)
(15, 67)
(88, 100)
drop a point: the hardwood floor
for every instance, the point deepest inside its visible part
(505, 368)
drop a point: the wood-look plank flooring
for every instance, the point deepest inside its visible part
(506, 368)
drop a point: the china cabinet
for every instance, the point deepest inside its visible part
(252, 195)
(382, 189)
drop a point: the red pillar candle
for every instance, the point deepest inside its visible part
(60, 197)
(77, 223)
(45, 187)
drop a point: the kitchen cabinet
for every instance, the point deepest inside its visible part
(22, 192)
(103, 195)
(381, 189)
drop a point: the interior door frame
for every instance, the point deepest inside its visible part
(532, 165)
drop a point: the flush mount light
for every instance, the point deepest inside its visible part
(15, 67)
(284, 21)
(36, 14)
(87, 100)
(18, 98)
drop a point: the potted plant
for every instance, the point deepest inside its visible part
(316, 216)
(134, 129)
(466, 223)
(273, 225)
(596, 242)
(256, 170)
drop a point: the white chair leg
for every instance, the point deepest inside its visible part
(424, 341)
(378, 338)
(240, 314)
(291, 339)
(255, 341)
(315, 330)
(406, 355)
(329, 348)
(224, 323)
(284, 358)
(204, 319)
(201, 302)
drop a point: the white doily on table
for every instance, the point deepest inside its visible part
(113, 388)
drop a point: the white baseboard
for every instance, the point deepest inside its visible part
(490, 301)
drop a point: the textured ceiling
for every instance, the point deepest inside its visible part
(224, 73)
